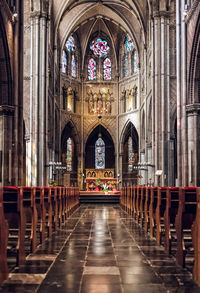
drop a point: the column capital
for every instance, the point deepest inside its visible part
(193, 109)
(159, 14)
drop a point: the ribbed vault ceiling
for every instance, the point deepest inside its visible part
(113, 17)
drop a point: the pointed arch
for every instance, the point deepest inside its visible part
(99, 134)
(129, 151)
(6, 97)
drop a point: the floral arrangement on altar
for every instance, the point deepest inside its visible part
(52, 183)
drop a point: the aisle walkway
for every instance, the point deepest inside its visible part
(100, 250)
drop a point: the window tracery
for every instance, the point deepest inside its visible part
(128, 44)
(99, 47)
(70, 44)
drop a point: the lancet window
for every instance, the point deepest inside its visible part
(64, 62)
(92, 69)
(69, 154)
(99, 154)
(107, 69)
(130, 154)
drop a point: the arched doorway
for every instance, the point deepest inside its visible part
(69, 148)
(6, 113)
(130, 156)
(99, 159)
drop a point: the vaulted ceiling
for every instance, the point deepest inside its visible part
(115, 18)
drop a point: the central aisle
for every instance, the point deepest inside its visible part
(100, 250)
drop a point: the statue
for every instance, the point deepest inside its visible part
(129, 100)
(108, 102)
(99, 102)
(90, 100)
(135, 97)
(70, 99)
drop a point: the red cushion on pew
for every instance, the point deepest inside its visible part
(163, 187)
(174, 188)
(26, 187)
(10, 188)
(190, 188)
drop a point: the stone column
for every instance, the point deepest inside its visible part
(161, 95)
(184, 98)
(39, 70)
(157, 93)
(193, 122)
(179, 104)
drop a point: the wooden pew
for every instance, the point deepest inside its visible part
(3, 241)
(27, 194)
(141, 206)
(41, 212)
(160, 210)
(54, 203)
(59, 202)
(134, 196)
(152, 210)
(131, 201)
(146, 209)
(14, 214)
(63, 197)
(128, 201)
(21, 214)
(76, 197)
(184, 221)
(122, 197)
(196, 241)
(170, 215)
(48, 209)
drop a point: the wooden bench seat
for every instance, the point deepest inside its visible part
(152, 210)
(160, 211)
(3, 241)
(146, 209)
(184, 221)
(41, 213)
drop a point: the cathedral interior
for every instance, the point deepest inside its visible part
(96, 94)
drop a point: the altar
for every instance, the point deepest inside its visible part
(100, 179)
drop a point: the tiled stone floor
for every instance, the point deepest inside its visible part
(100, 250)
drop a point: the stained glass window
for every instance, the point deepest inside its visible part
(99, 154)
(92, 69)
(128, 44)
(70, 45)
(130, 154)
(73, 66)
(99, 47)
(107, 69)
(64, 62)
(134, 61)
(69, 154)
(125, 65)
